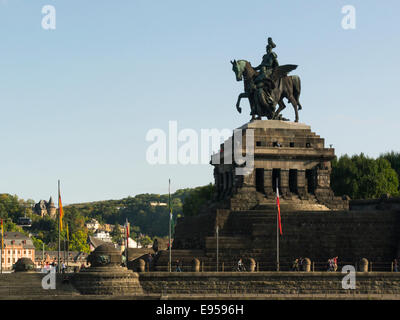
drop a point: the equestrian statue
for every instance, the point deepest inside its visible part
(267, 87)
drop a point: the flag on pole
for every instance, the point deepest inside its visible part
(279, 209)
(127, 232)
(60, 210)
(171, 219)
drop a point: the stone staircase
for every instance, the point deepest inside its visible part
(293, 203)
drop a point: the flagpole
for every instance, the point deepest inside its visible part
(217, 248)
(59, 222)
(169, 206)
(277, 228)
(67, 246)
(127, 242)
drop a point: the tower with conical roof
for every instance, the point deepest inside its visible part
(51, 208)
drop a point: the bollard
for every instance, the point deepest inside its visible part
(141, 265)
(306, 265)
(250, 264)
(363, 265)
(195, 265)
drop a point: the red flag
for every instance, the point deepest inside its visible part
(279, 209)
(127, 233)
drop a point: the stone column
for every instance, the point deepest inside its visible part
(301, 184)
(284, 187)
(268, 183)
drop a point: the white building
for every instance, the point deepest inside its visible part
(92, 225)
(157, 204)
(102, 235)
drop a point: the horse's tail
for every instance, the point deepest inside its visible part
(296, 89)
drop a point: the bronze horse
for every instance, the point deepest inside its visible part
(263, 100)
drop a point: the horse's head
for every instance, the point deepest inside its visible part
(238, 68)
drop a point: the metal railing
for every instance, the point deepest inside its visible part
(316, 266)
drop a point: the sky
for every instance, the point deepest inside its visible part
(77, 101)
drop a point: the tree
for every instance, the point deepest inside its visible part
(196, 199)
(78, 242)
(361, 177)
(37, 243)
(394, 159)
(145, 241)
(116, 234)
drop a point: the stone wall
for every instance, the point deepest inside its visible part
(213, 283)
(24, 284)
(318, 235)
(376, 204)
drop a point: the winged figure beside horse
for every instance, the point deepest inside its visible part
(267, 88)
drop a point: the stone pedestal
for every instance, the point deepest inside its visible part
(105, 275)
(300, 150)
(107, 281)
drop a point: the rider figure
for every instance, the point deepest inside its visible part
(269, 62)
(263, 82)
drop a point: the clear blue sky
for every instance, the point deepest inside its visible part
(76, 102)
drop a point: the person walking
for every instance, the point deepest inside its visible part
(301, 260)
(335, 266)
(330, 265)
(295, 266)
(240, 266)
(178, 267)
